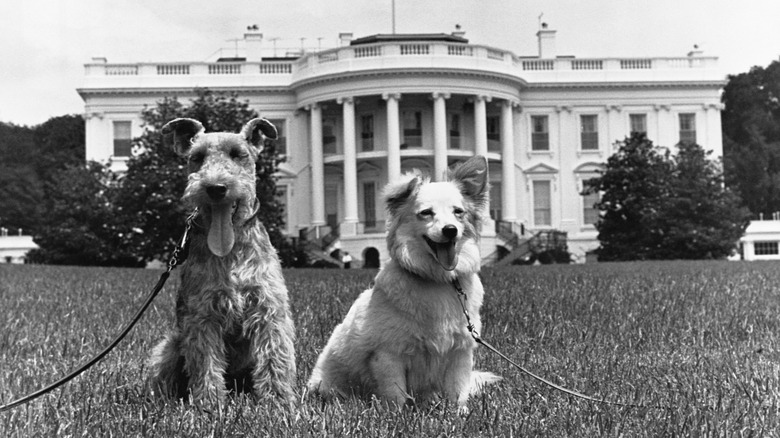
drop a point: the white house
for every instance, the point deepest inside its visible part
(14, 248)
(353, 117)
(761, 240)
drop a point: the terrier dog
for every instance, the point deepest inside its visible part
(233, 327)
(406, 339)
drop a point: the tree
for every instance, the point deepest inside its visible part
(30, 158)
(635, 181)
(80, 226)
(59, 143)
(702, 219)
(658, 206)
(147, 200)
(21, 190)
(751, 131)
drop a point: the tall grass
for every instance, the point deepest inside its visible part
(700, 338)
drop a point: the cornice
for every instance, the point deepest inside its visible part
(242, 89)
(612, 85)
(397, 72)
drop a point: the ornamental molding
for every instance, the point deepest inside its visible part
(612, 85)
(506, 79)
(181, 91)
(540, 169)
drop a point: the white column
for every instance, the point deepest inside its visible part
(508, 195)
(714, 137)
(480, 125)
(439, 136)
(350, 167)
(317, 167)
(393, 137)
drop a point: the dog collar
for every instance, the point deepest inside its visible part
(199, 227)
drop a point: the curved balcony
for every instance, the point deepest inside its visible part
(405, 57)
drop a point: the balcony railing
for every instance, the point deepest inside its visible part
(403, 55)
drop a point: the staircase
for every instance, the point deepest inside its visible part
(318, 242)
(522, 246)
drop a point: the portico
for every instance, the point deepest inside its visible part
(398, 132)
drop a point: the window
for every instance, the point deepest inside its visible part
(281, 139)
(494, 133)
(329, 135)
(367, 132)
(495, 200)
(281, 200)
(369, 204)
(638, 123)
(123, 139)
(542, 203)
(540, 137)
(454, 131)
(412, 126)
(590, 214)
(332, 206)
(687, 128)
(589, 132)
(765, 248)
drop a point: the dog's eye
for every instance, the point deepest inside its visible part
(196, 158)
(458, 211)
(238, 154)
(426, 213)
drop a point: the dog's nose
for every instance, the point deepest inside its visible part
(217, 192)
(450, 231)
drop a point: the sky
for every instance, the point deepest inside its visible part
(44, 44)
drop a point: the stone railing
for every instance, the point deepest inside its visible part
(407, 55)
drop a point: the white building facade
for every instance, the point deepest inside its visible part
(354, 117)
(761, 240)
(14, 247)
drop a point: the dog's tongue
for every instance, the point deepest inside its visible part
(221, 237)
(446, 255)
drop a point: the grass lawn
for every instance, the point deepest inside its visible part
(699, 337)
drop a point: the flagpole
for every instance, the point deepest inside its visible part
(393, 2)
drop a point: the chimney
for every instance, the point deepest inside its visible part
(546, 42)
(458, 32)
(697, 52)
(254, 43)
(345, 38)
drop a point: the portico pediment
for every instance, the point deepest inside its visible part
(368, 169)
(541, 168)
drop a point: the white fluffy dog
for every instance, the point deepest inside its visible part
(406, 339)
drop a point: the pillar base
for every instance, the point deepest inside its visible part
(348, 229)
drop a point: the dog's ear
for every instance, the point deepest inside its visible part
(256, 130)
(397, 193)
(472, 178)
(180, 132)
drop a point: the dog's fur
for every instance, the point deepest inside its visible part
(233, 327)
(405, 340)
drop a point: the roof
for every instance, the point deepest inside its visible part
(763, 227)
(17, 242)
(396, 37)
(762, 230)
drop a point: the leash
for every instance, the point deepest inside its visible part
(486, 344)
(160, 283)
